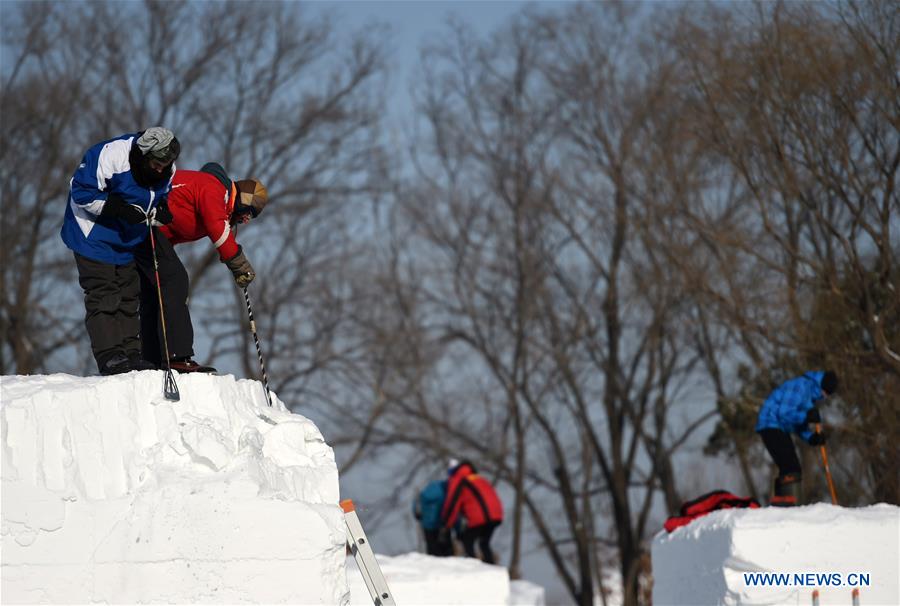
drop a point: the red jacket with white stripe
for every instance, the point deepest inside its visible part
(201, 206)
(473, 496)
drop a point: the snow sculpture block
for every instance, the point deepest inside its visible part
(730, 557)
(416, 578)
(112, 494)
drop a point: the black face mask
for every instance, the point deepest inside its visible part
(242, 213)
(141, 171)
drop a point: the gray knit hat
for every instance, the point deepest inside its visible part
(159, 143)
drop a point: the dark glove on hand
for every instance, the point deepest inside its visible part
(817, 439)
(116, 208)
(812, 415)
(241, 268)
(163, 215)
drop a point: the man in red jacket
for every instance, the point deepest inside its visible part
(204, 203)
(472, 496)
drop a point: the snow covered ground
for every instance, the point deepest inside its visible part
(419, 579)
(729, 557)
(112, 494)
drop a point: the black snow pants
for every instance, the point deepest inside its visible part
(173, 278)
(111, 294)
(438, 543)
(483, 535)
(781, 447)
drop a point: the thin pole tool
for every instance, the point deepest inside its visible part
(170, 389)
(262, 364)
(827, 469)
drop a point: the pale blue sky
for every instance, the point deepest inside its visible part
(415, 22)
(417, 18)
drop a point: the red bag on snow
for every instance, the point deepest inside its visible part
(702, 505)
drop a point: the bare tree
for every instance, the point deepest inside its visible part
(799, 104)
(42, 97)
(263, 88)
(628, 310)
(547, 338)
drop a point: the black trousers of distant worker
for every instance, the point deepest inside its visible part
(111, 308)
(175, 285)
(438, 543)
(482, 534)
(781, 448)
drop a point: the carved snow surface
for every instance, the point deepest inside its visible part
(718, 559)
(112, 494)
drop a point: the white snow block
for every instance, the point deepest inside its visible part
(525, 593)
(112, 494)
(730, 557)
(416, 578)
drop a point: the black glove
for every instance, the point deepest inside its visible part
(812, 415)
(241, 268)
(116, 208)
(817, 439)
(163, 215)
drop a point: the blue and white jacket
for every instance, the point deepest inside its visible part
(104, 169)
(787, 405)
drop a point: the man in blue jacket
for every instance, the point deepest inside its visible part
(118, 190)
(790, 408)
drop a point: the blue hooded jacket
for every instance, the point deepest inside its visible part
(427, 507)
(104, 169)
(787, 405)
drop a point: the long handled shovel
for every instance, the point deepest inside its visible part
(824, 454)
(170, 389)
(262, 364)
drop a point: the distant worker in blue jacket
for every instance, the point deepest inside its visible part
(427, 509)
(791, 408)
(118, 190)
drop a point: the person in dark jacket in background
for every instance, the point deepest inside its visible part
(427, 510)
(790, 408)
(119, 188)
(204, 204)
(472, 496)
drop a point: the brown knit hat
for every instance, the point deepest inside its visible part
(252, 193)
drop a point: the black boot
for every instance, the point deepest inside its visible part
(138, 363)
(120, 363)
(115, 364)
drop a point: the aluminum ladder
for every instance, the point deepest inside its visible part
(359, 546)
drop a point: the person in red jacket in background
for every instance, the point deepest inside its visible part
(204, 203)
(473, 497)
